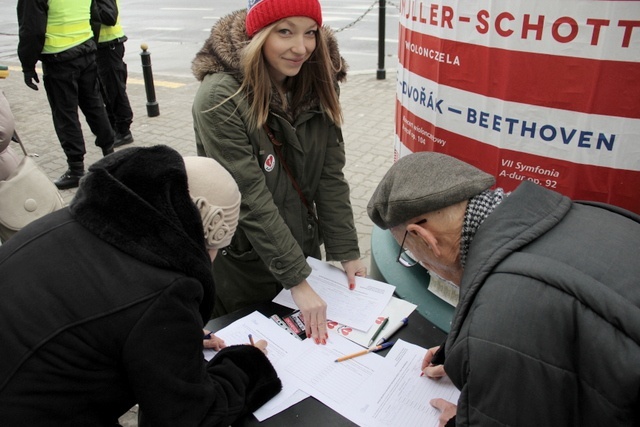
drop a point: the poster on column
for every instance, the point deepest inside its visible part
(546, 91)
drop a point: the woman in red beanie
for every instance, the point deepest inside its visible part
(267, 109)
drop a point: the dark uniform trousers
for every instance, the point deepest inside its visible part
(71, 84)
(113, 76)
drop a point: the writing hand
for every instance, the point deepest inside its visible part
(432, 371)
(262, 345)
(30, 77)
(212, 341)
(313, 309)
(354, 268)
(447, 410)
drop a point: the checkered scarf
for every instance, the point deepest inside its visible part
(478, 209)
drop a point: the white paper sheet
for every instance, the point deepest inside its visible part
(357, 309)
(398, 395)
(396, 310)
(280, 344)
(332, 383)
(370, 390)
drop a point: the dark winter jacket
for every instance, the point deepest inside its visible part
(102, 306)
(276, 232)
(32, 22)
(547, 330)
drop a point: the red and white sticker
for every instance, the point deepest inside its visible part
(269, 163)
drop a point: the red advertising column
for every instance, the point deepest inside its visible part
(545, 91)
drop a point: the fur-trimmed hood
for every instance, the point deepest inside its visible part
(137, 199)
(220, 52)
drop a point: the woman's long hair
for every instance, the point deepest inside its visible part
(316, 75)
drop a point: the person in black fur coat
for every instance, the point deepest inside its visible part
(102, 303)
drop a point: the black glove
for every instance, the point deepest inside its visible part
(29, 77)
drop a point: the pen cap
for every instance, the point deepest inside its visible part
(391, 331)
(385, 345)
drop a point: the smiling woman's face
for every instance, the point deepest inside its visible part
(290, 44)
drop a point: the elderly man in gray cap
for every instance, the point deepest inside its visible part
(547, 329)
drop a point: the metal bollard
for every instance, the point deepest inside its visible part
(381, 73)
(153, 109)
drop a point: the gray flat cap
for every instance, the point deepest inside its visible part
(424, 182)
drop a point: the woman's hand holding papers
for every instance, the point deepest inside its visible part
(314, 311)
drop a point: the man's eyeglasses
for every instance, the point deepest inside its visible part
(405, 257)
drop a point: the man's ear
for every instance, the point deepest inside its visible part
(427, 235)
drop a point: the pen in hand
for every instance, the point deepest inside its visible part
(363, 352)
(382, 325)
(211, 341)
(436, 361)
(251, 340)
(387, 335)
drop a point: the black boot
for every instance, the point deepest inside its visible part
(107, 151)
(122, 139)
(71, 177)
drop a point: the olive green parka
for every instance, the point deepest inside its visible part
(276, 231)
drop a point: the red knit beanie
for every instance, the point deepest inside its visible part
(261, 13)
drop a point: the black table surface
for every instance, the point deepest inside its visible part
(311, 412)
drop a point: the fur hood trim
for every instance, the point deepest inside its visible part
(220, 52)
(137, 199)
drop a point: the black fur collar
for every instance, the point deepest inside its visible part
(137, 199)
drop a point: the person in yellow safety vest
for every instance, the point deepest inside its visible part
(59, 34)
(113, 79)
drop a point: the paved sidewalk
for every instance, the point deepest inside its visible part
(368, 105)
